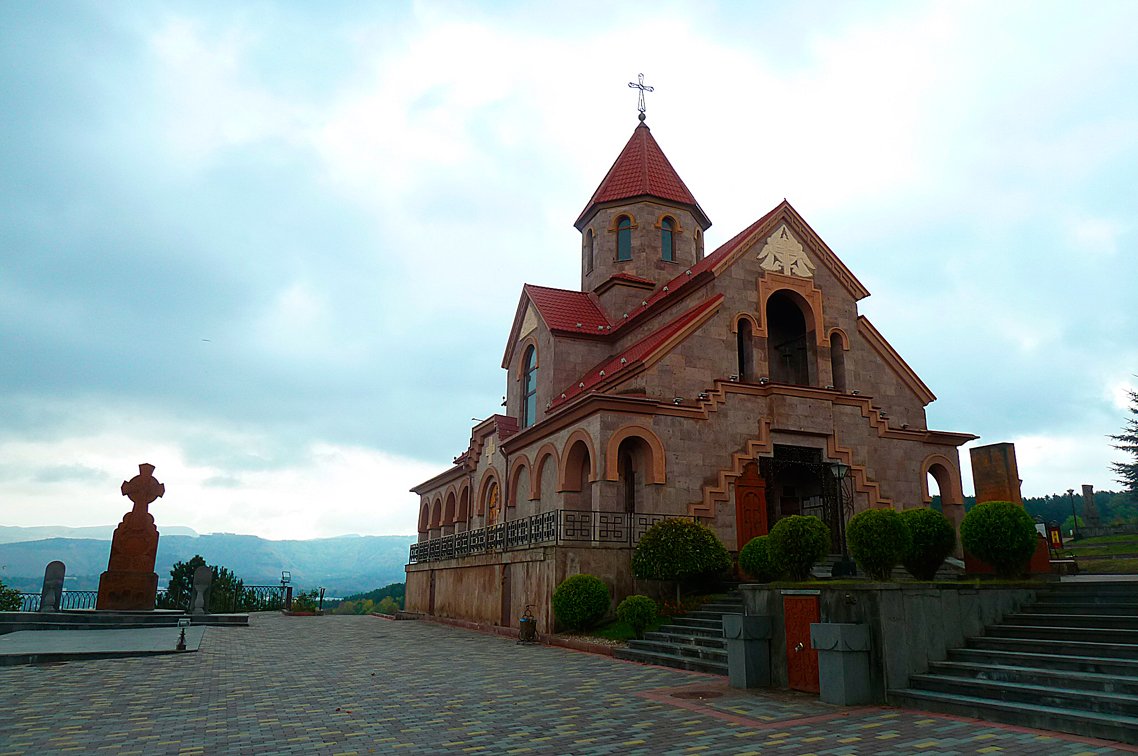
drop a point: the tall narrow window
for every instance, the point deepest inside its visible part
(837, 362)
(589, 251)
(667, 252)
(698, 244)
(746, 350)
(529, 389)
(624, 238)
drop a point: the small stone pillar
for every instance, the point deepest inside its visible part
(199, 594)
(1090, 509)
(52, 594)
(843, 662)
(748, 650)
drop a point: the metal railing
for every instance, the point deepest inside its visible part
(30, 602)
(558, 526)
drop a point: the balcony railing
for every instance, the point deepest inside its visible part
(559, 526)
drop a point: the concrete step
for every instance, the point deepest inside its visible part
(1069, 620)
(1081, 607)
(1072, 663)
(1038, 716)
(1118, 704)
(676, 635)
(676, 661)
(693, 650)
(1092, 592)
(1102, 683)
(87, 619)
(1056, 647)
(1078, 634)
(701, 623)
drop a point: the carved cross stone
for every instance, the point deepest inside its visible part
(143, 488)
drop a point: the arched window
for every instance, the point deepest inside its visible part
(624, 238)
(837, 361)
(790, 344)
(589, 251)
(667, 250)
(745, 347)
(529, 388)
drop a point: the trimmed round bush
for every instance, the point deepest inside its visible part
(1000, 533)
(797, 543)
(676, 549)
(580, 601)
(755, 559)
(637, 612)
(932, 539)
(878, 539)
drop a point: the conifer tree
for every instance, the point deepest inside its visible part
(1128, 442)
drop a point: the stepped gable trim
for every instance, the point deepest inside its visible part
(894, 360)
(436, 483)
(641, 354)
(642, 170)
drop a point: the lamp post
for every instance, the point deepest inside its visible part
(845, 566)
(1074, 516)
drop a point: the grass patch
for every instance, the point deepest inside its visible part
(621, 631)
(1109, 567)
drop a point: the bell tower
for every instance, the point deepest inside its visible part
(641, 228)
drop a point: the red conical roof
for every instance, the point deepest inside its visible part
(643, 170)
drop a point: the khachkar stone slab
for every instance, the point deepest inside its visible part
(995, 473)
(130, 582)
(1090, 510)
(199, 600)
(52, 593)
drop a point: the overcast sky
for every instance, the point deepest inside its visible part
(274, 249)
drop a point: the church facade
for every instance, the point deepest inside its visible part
(736, 387)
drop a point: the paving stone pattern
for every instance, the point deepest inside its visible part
(366, 685)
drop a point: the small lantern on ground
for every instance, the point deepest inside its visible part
(527, 626)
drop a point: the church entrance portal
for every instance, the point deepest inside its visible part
(796, 480)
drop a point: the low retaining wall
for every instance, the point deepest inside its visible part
(909, 625)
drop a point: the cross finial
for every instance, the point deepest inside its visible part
(639, 84)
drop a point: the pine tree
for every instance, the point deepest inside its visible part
(1128, 442)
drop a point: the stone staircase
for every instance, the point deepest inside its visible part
(693, 641)
(1067, 662)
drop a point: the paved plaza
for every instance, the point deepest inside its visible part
(368, 685)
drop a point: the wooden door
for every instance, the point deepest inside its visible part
(801, 659)
(750, 504)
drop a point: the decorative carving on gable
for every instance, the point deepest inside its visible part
(782, 253)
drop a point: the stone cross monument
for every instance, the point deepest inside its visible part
(130, 581)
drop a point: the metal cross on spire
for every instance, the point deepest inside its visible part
(639, 84)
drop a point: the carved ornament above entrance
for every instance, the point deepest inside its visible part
(782, 253)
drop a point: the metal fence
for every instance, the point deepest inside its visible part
(251, 598)
(559, 526)
(30, 602)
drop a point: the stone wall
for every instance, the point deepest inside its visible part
(909, 625)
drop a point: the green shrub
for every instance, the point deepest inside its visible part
(755, 559)
(9, 599)
(878, 539)
(1000, 533)
(796, 543)
(580, 601)
(306, 601)
(675, 549)
(637, 612)
(932, 539)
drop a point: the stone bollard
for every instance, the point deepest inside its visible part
(843, 662)
(199, 595)
(52, 594)
(748, 650)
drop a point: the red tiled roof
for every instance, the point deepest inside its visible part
(565, 310)
(636, 353)
(642, 169)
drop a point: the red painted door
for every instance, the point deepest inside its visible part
(750, 504)
(801, 659)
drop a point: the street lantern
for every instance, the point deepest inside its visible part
(1074, 516)
(845, 566)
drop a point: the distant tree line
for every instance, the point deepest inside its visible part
(1114, 508)
(386, 600)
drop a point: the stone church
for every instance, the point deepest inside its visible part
(735, 387)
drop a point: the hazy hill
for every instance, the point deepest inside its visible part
(343, 565)
(14, 534)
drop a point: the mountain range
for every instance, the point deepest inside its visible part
(343, 565)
